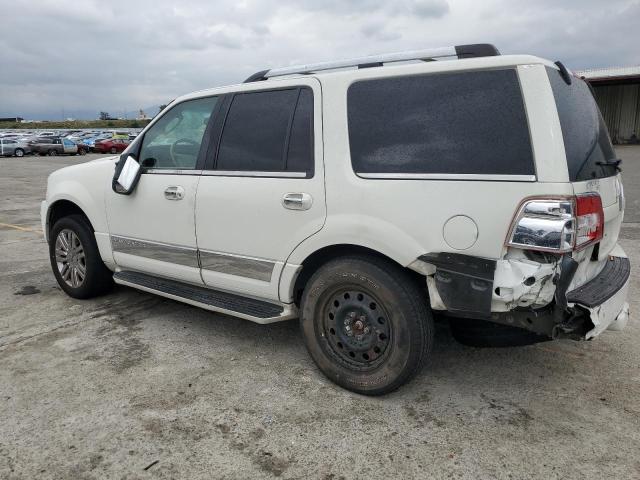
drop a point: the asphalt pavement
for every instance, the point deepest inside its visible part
(131, 385)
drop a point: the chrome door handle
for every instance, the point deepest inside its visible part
(174, 193)
(297, 201)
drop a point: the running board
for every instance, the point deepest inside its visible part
(258, 311)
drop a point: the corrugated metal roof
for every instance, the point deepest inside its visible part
(609, 72)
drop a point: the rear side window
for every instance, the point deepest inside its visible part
(448, 123)
(586, 139)
(269, 131)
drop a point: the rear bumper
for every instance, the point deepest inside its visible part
(590, 309)
(604, 298)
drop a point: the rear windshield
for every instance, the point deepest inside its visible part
(586, 139)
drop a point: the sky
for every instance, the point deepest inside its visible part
(75, 58)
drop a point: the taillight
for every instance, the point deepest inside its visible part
(589, 220)
(559, 224)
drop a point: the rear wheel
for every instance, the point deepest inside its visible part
(19, 152)
(114, 150)
(75, 259)
(366, 324)
(52, 153)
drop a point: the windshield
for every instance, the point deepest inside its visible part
(586, 139)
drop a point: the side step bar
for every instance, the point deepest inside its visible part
(258, 311)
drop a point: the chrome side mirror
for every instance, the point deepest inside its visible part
(126, 176)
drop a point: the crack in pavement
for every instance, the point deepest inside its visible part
(24, 339)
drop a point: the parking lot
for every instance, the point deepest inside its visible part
(136, 386)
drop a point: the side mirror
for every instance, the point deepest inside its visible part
(126, 176)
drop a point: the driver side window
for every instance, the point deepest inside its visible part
(173, 142)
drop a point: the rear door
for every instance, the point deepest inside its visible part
(262, 192)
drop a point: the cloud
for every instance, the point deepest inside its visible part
(428, 8)
(88, 56)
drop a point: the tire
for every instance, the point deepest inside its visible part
(483, 334)
(387, 302)
(18, 152)
(114, 150)
(82, 151)
(97, 278)
(52, 153)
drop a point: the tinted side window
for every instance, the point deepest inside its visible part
(586, 139)
(173, 142)
(449, 123)
(256, 132)
(300, 155)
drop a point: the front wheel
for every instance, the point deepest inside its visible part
(366, 324)
(114, 150)
(19, 152)
(52, 153)
(75, 259)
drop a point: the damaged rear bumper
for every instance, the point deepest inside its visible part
(584, 312)
(464, 288)
(604, 298)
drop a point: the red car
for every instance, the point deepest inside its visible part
(111, 145)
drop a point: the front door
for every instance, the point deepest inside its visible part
(69, 146)
(262, 192)
(153, 229)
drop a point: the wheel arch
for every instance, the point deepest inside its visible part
(320, 257)
(63, 208)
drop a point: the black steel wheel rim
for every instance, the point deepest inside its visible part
(357, 329)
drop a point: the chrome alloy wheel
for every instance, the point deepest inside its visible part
(70, 258)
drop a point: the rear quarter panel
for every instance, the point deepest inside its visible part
(404, 219)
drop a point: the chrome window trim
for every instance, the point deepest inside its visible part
(164, 252)
(447, 176)
(238, 265)
(241, 173)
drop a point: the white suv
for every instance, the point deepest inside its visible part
(363, 197)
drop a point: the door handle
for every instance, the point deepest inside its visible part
(174, 193)
(297, 201)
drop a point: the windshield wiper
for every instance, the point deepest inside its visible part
(614, 162)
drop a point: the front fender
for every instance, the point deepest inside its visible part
(83, 185)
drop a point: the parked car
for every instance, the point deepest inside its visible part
(10, 147)
(91, 141)
(114, 145)
(81, 136)
(363, 201)
(56, 146)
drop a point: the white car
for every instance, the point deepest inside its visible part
(363, 197)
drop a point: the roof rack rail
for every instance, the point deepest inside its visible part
(459, 51)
